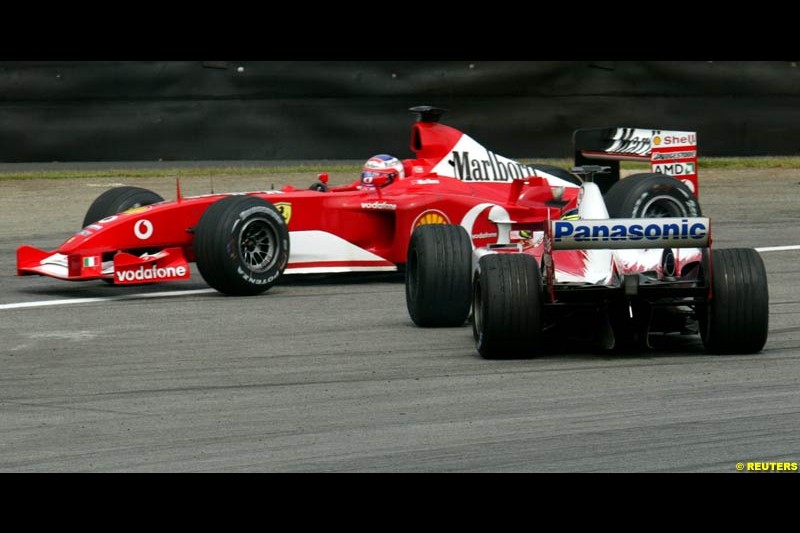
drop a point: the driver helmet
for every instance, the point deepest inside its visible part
(382, 170)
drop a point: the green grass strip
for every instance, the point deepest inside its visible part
(730, 163)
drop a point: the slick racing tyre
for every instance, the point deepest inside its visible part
(558, 172)
(507, 306)
(736, 319)
(119, 199)
(241, 245)
(651, 196)
(438, 275)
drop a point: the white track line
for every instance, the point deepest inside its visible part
(71, 301)
(49, 303)
(778, 248)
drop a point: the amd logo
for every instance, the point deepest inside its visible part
(675, 169)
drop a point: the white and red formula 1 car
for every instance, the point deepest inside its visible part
(616, 267)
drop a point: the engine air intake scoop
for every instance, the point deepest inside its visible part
(426, 113)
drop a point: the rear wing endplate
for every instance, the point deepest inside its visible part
(673, 153)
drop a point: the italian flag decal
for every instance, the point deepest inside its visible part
(89, 262)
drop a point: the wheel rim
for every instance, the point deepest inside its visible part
(663, 207)
(258, 245)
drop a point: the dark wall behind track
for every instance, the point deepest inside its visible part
(261, 110)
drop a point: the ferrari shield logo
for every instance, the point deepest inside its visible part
(285, 209)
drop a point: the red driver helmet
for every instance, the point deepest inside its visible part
(381, 170)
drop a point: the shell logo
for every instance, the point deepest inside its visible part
(656, 140)
(430, 217)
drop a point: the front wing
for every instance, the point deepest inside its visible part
(312, 252)
(125, 269)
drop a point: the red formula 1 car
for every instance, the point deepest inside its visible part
(244, 242)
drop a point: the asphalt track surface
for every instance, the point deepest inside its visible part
(332, 376)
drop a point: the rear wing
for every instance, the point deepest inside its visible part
(673, 153)
(630, 233)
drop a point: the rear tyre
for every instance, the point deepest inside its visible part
(651, 196)
(241, 245)
(736, 320)
(507, 306)
(438, 275)
(119, 199)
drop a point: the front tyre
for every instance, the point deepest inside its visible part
(241, 245)
(736, 320)
(651, 196)
(119, 199)
(507, 306)
(438, 275)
